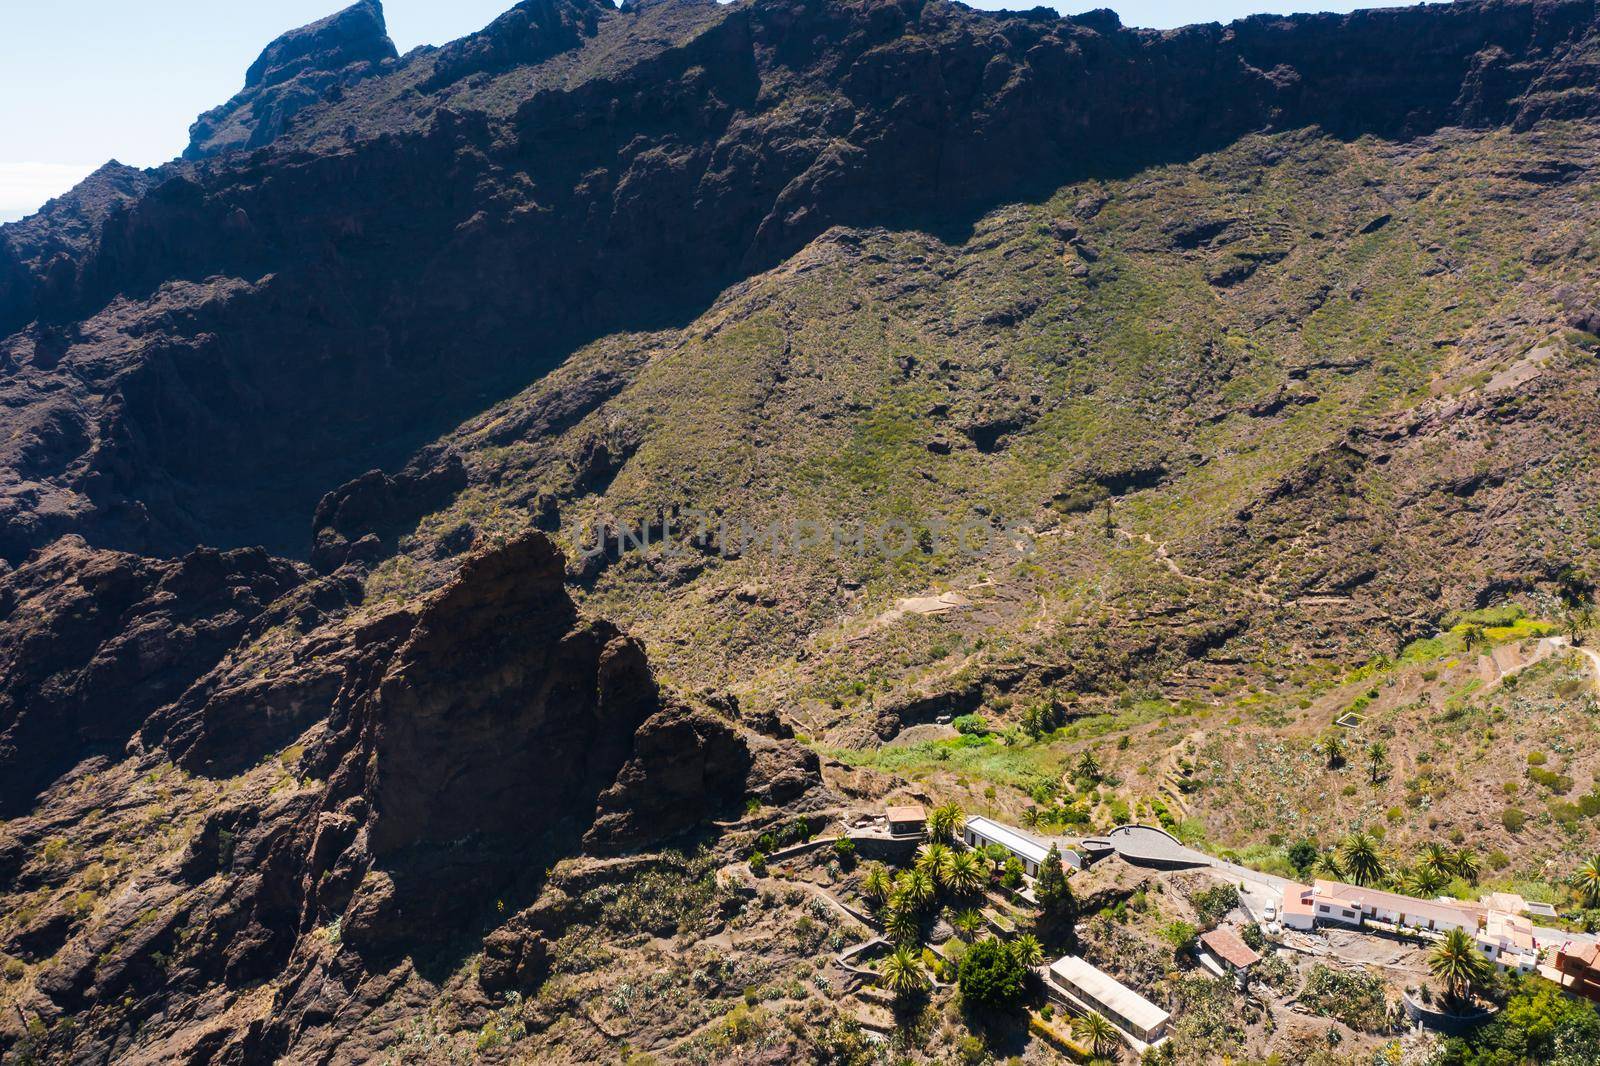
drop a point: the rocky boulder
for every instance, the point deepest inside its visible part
(687, 763)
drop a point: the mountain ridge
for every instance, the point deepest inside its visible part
(247, 234)
(1261, 358)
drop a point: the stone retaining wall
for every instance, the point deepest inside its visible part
(1439, 1021)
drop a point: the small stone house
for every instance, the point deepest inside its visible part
(907, 820)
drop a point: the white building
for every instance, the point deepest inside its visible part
(1299, 910)
(1084, 988)
(1506, 939)
(1354, 904)
(981, 831)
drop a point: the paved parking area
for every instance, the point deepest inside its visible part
(1143, 845)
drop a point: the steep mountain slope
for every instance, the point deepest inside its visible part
(450, 515)
(1250, 359)
(394, 246)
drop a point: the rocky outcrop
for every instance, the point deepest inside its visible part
(501, 703)
(450, 751)
(685, 763)
(358, 521)
(297, 70)
(93, 642)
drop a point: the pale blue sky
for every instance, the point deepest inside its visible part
(84, 81)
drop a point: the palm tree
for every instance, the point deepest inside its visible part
(903, 974)
(1377, 760)
(902, 923)
(1465, 865)
(1029, 951)
(965, 875)
(1438, 858)
(967, 923)
(934, 860)
(1099, 1035)
(1359, 856)
(916, 888)
(1423, 881)
(1458, 963)
(1030, 817)
(1333, 750)
(1033, 722)
(1328, 863)
(1088, 765)
(1587, 882)
(876, 885)
(943, 822)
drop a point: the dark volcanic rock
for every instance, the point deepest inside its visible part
(453, 749)
(361, 251)
(502, 703)
(390, 249)
(297, 70)
(686, 763)
(92, 642)
(379, 506)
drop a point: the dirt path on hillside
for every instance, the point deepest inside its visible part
(1178, 572)
(1546, 647)
(1594, 661)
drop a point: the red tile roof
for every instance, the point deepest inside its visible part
(1225, 944)
(1588, 954)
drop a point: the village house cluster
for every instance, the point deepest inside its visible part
(1513, 933)
(1499, 925)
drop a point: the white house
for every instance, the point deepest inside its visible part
(1299, 909)
(1354, 904)
(1507, 941)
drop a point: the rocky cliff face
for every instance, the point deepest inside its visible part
(303, 67)
(452, 751)
(403, 226)
(1313, 297)
(93, 642)
(500, 704)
